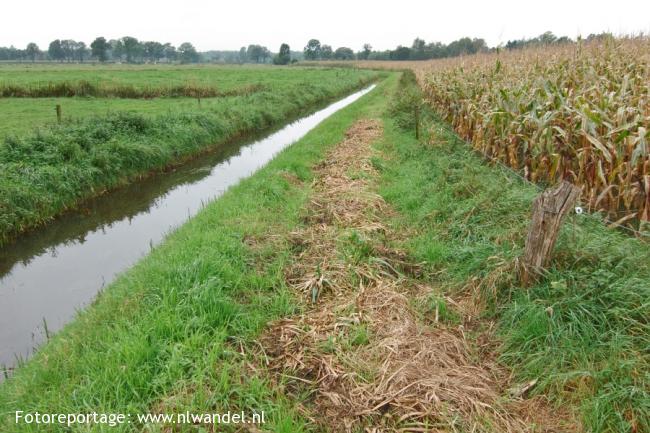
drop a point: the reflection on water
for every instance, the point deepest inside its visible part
(46, 275)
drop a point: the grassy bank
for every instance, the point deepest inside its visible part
(582, 332)
(88, 91)
(52, 169)
(168, 335)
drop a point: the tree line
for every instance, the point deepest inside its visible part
(419, 50)
(126, 49)
(130, 50)
(548, 38)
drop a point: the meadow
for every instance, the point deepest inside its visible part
(102, 142)
(224, 77)
(30, 92)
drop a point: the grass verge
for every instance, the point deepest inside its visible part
(166, 334)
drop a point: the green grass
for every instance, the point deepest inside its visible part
(583, 330)
(166, 335)
(144, 76)
(22, 115)
(105, 143)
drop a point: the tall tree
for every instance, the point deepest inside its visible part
(418, 48)
(344, 53)
(547, 38)
(169, 52)
(32, 51)
(313, 50)
(365, 53)
(464, 46)
(80, 51)
(68, 47)
(131, 47)
(10, 53)
(153, 51)
(400, 53)
(187, 53)
(117, 49)
(326, 52)
(242, 55)
(257, 53)
(284, 56)
(55, 50)
(99, 49)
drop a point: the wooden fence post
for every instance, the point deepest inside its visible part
(417, 122)
(58, 113)
(549, 209)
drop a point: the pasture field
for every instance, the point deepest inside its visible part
(105, 141)
(145, 76)
(22, 114)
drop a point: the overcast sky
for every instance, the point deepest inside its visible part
(212, 24)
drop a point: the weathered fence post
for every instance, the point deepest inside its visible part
(549, 209)
(58, 113)
(417, 122)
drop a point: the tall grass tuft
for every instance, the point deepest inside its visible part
(85, 88)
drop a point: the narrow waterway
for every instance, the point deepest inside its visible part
(49, 274)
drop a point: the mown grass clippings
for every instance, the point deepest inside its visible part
(361, 352)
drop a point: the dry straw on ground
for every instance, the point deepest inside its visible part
(361, 351)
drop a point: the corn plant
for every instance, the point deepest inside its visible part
(579, 112)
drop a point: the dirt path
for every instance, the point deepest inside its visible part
(375, 350)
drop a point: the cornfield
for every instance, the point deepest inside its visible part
(579, 112)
